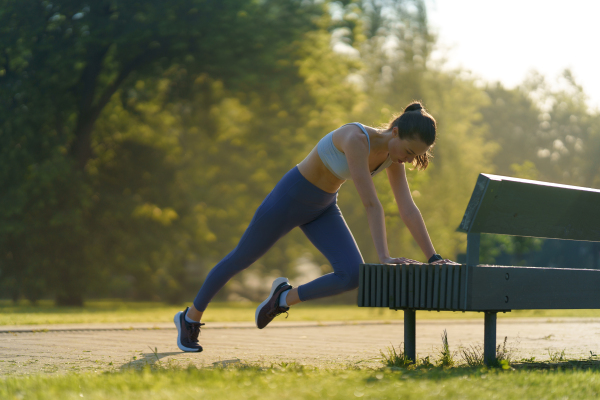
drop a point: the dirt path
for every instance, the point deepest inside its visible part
(101, 347)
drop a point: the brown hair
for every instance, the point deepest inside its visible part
(416, 122)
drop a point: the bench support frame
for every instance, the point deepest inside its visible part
(410, 334)
(489, 335)
(489, 338)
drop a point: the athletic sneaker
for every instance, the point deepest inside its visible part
(187, 334)
(269, 309)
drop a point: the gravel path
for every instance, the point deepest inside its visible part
(102, 347)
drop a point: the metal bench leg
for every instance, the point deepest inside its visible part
(410, 323)
(489, 338)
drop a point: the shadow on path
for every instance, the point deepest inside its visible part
(151, 359)
(563, 365)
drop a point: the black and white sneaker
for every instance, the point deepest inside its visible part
(269, 309)
(187, 334)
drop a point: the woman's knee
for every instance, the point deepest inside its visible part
(353, 268)
(349, 279)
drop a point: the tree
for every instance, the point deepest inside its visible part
(62, 64)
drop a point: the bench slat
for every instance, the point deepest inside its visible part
(429, 288)
(379, 286)
(361, 284)
(449, 276)
(367, 287)
(423, 281)
(397, 281)
(405, 279)
(373, 287)
(436, 287)
(385, 298)
(411, 286)
(444, 278)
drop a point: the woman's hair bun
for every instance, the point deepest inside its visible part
(415, 106)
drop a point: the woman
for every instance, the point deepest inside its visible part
(306, 197)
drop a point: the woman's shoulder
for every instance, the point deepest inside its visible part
(352, 134)
(355, 129)
(360, 126)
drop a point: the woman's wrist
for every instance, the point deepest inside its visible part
(435, 257)
(383, 260)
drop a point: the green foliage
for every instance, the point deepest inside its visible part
(90, 180)
(138, 139)
(556, 356)
(492, 246)
(547, 132)
(392, 358)
(472, 356)
(446, 356)
(504, 353)
(247, 381)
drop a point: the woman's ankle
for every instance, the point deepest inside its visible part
(292, 297)
(193, 314)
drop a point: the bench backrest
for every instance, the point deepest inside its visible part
(522, 207)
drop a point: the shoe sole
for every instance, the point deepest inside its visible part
(276, 283)
(177, 320)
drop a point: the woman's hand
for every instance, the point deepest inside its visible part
(401, 260)
(445, 261)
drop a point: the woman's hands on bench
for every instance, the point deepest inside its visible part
(445, 261)
(402, 260)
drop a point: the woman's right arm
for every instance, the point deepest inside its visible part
(356, 148)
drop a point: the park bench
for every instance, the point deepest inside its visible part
(498, 205)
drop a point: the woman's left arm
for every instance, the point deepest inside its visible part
(409, 212)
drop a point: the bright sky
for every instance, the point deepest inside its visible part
(501, 40)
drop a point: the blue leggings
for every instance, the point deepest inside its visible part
(293, 202)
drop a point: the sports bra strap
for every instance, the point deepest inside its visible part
(362, 128)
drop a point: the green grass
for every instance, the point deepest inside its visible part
(297, 382)
(105, 311)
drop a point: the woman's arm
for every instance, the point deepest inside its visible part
(356, 148)
(409, 212)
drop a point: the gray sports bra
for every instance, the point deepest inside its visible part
(336, 161)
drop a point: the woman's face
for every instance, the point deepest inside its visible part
(405, 150)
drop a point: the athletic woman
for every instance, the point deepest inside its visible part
(307, 197)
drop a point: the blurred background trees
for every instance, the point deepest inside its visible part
(137, 139)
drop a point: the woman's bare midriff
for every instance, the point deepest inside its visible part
(313, 169)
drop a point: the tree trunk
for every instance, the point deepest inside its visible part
(91, 108)
(82, 146)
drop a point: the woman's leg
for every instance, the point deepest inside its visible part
(268, 225)
(331, 235)
(271, 221)
(293, 202)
